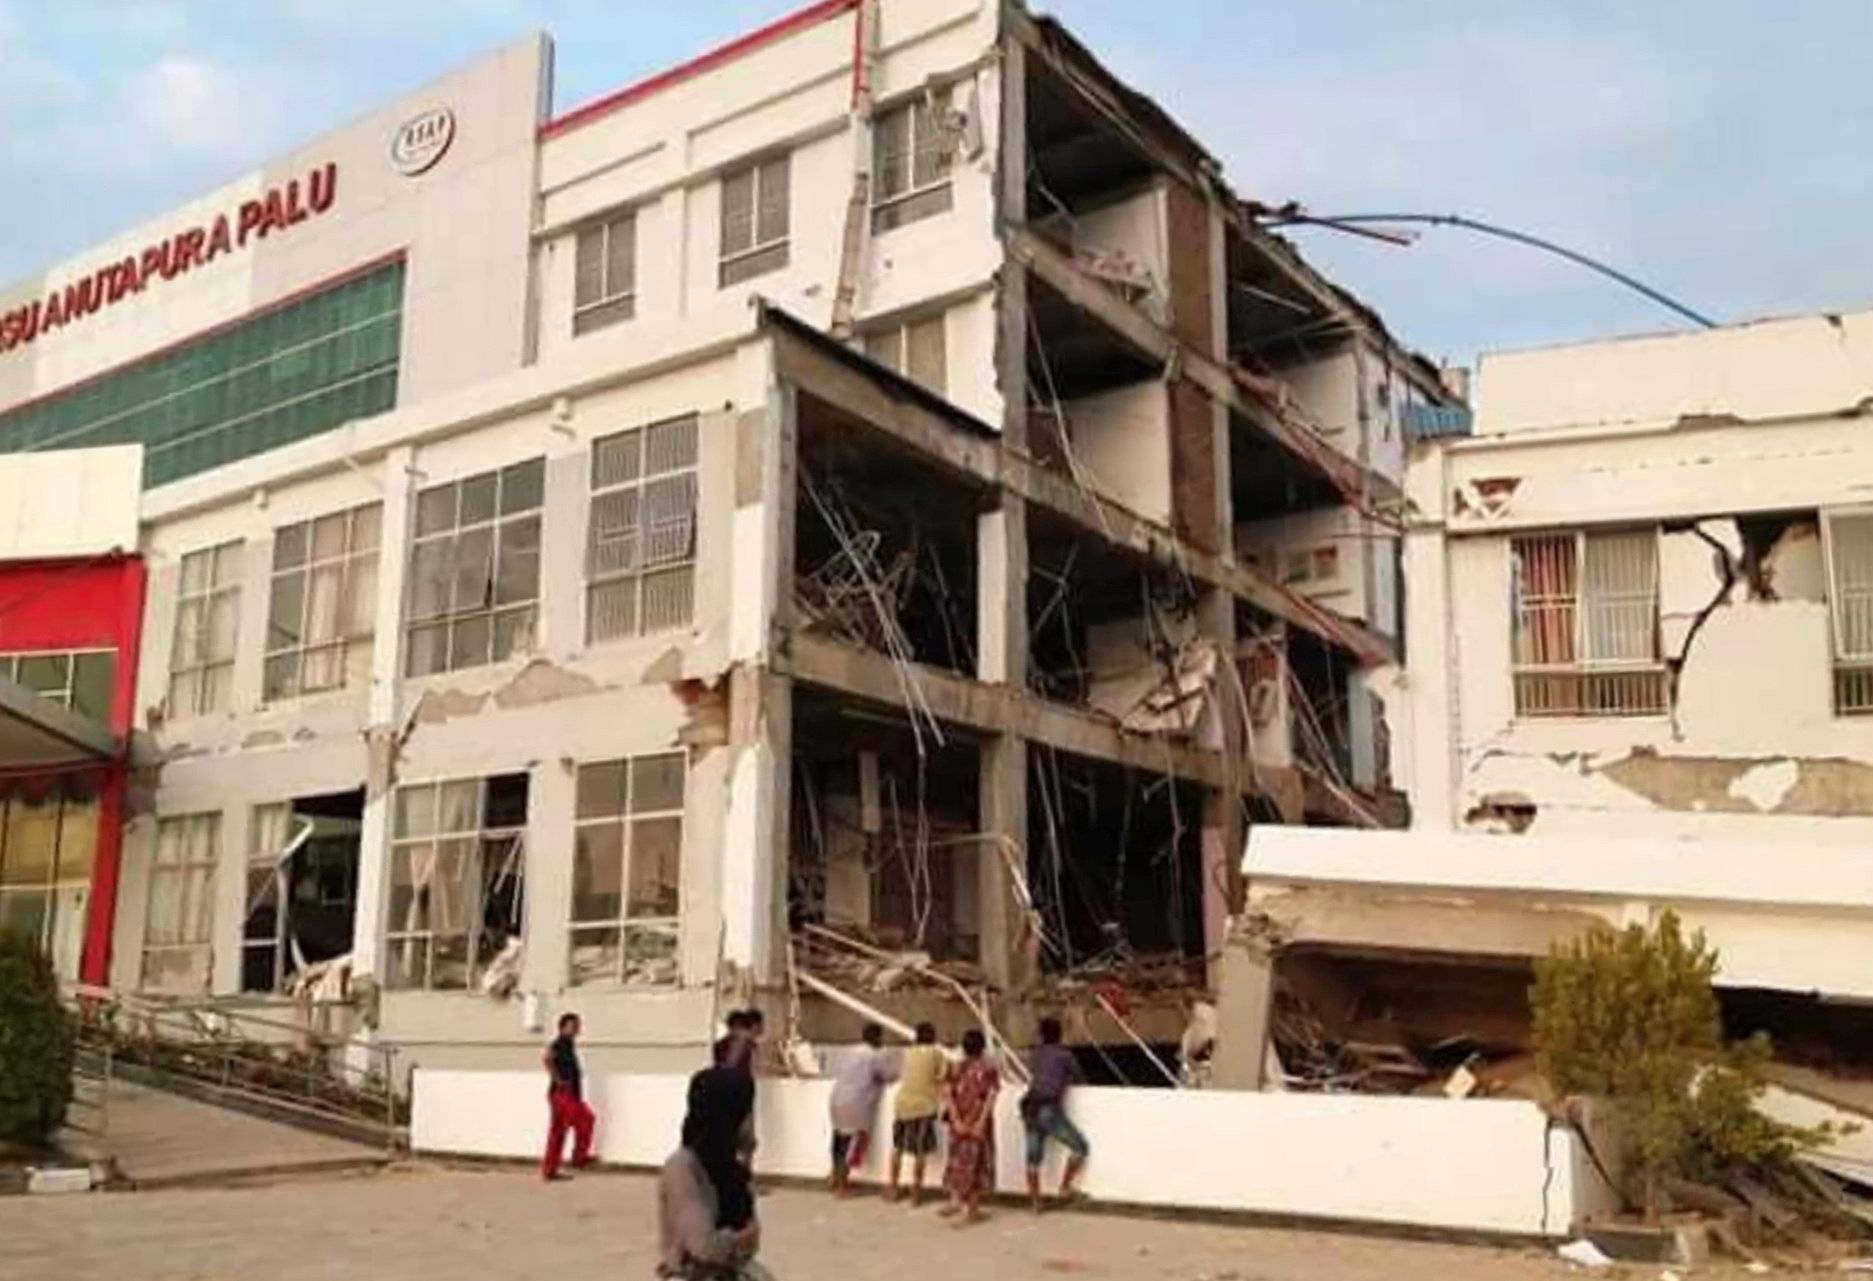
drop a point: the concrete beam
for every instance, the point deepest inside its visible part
(1257, 399)
(968, 452)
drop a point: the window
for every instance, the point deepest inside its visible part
(179, 931)
(81, 681)
(627, 871)
(1586, 625)
(266, 381)
(271, 833)
(641, 544)
(912, 152)
(302, 878)
(456, 880)
(604, 275)
(46, 849)
(754, 220)
(208, 617)
(475, 570)
(1850, 571)
(916, 349)
(323, 604)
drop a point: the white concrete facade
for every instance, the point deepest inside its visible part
(1729, 774)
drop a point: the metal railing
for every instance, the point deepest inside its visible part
(233, 1056)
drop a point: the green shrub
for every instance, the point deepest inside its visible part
(36, 1046)
(1631, 1017)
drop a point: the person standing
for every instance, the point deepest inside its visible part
(855, 1094)
(971, 1168)
(565, 1101)
(706, 1222)
(914, 1123)
(1054, 1071)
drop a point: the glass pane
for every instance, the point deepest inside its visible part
(409, 964)
(460, 807)
(176, 970)
(669, 599)
(24, 913)
(523, 487)
(32, 833)
(472, 569)
(187, 650)
(612, 611)
(657, 783)
(601, 789)
(478, 498)
(891, 153)
(78, 840)
(416, 811)
(428, 651)
(358, 608)
(45, 673)
(449, 968)
(195, 567)
(430, 570)
(224, 620)
(217, 687)
(737, 212)
(670, 446)
(588, 266)
(513, 633)
(435, 510)
(227, 570)
(775, 199)
(614, 532)
(616, 459)
(669, 519)
(471, 642)
(621, 256)
(366, 527)
(322, 610)
(286, 607)
(517, 577)
(656, 867)
(598, 872)
(328, 536)
(281, 679)
(595, 956)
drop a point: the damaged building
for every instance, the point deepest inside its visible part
(864, 520)
(1638, 681)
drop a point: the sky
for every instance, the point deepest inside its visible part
(1717, 149)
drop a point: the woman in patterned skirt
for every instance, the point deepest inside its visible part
(971, 1168)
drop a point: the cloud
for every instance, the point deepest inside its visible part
(196, 108)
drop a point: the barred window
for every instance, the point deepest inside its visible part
(178, 937)
(475, 570)
(641, 543)
(604, 288)
(628, 871)
(208, 617)
(1586, 624)
(755, 216)
(917, 349)
(323, 605)
(912, 155)
(81, 680)
(1850, 574)
(457, 878)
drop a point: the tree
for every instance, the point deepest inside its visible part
(1631, 1017)
(36, 1045)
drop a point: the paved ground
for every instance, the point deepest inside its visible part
(159, 1138)
(429, 1224)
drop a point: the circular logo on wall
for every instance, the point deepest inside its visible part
(422, 140)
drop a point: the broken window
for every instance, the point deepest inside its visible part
(1850, 571)
(302, 875)
(81, 681)
(627, 870)
(755, 200)
(912, 153)
(604, 284)
(641, 540)
(178, 935)
(475, 570)
(456, 880)
(201, 658)
(1586, 624)
(46, 850)
(322, 607)
(917, 349)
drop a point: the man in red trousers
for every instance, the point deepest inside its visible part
(565, 1098)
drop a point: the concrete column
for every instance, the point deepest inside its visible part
(1245, 998)
(548, 875)
(1004, 803)
(562, 550)
(382, 728)
(230, 919)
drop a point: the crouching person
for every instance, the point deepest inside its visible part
(707, 1228)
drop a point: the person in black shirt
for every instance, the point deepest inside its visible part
(565, 1101)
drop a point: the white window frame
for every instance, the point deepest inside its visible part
(593, 815)
(891, 346)
(633, 547)
(1853, 671)
(66, 692)
(1601, 687)
(479, 843)
(611, 301)
(341, 658)
(198, 838)
(512, 624)
(929, 140)
(767, 249)
(201, 679)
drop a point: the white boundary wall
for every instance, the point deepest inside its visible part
(1472, 1165)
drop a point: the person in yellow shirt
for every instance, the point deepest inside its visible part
(914, 1122)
